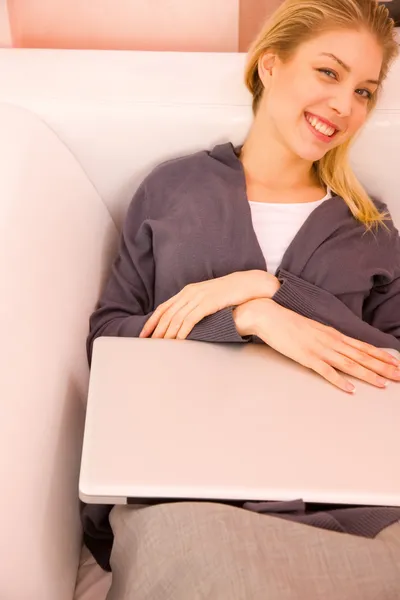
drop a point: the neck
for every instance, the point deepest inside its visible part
(268, 162)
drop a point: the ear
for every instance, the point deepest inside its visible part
(266, 64)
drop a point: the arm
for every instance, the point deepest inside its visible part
(128, 298)
(315, 303)
(382, 308)
(219, 327)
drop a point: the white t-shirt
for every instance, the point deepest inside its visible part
(276, 225)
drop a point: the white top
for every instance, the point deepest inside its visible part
(276, 225)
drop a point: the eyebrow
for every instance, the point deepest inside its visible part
(346, 67)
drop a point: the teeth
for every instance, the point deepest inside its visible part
(320, 126)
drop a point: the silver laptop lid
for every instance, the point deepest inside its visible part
(171, 419)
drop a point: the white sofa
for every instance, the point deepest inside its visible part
(79, 130)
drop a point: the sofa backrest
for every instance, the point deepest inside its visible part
(121, 113)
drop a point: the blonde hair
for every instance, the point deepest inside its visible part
(297, 21)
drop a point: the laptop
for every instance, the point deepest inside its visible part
(175, 420)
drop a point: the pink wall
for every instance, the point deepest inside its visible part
(252, 15)
(202, 25)
(198, 25)
(5, 33)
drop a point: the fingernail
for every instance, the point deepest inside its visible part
(382, 382)
(350, 388)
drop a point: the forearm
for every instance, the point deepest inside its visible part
(222, 325)
(219, 327)
(258, 284)
(315, 303)
(106, 323)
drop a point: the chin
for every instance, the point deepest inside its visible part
(311, 154)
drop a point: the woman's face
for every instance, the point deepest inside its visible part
(320, 98)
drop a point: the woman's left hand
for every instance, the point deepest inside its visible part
(176, 317)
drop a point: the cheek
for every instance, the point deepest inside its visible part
(289, 96)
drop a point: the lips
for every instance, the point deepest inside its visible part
(322, 137)
(323, 120)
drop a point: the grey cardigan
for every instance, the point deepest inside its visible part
(190, 221)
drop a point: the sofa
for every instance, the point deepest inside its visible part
(79, 131)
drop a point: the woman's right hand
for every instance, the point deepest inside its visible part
(315, 346)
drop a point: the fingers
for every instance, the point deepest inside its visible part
(166, 317)
(351, 367)
(361, 360)
(172, 319)
(153, 321)
(378, 353)
(378, 369)
(341, 357)
(195, 316)
(330, 374)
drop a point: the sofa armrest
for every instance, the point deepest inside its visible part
(56, 238)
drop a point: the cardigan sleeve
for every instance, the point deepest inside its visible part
(381, 330)
(127, 301)
(382, 308)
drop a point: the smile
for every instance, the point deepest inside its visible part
(321, 130)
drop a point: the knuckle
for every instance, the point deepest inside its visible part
(364, 347)
(340, 337)
(162, 320)
(389, 371)
(309, 363)
(325, 370)
(169, 314)
(360, 357)
(330, 337)
(332, 331)
(321, 367)
(349, 363)
(163, 323)
(190, 322)
(175, 323)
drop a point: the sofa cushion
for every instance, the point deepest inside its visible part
(56, 238)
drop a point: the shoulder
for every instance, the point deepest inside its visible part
(193, 178)
(221, 161)
(171, 173)
(183, 179)
(154, 193)
(388, 230)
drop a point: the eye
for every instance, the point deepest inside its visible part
(328, 72)
(368, 95)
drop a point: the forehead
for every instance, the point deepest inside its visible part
(357, 49)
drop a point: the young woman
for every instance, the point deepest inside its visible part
(274, 241)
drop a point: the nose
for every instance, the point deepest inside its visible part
(342, 101)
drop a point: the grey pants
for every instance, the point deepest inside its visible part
(194, 551)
